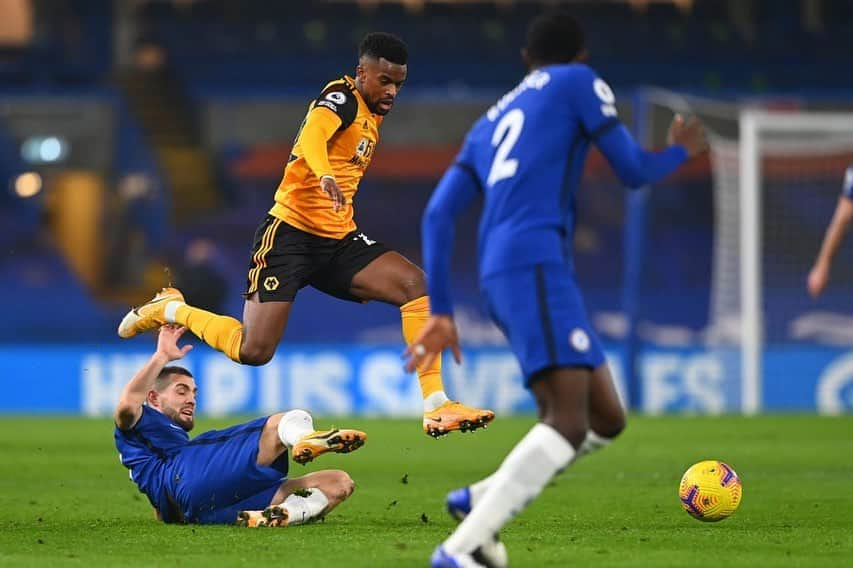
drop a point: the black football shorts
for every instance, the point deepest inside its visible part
(285, 259)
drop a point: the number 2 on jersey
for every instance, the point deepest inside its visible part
(505, 136)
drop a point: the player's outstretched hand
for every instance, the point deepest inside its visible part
(689, 133)
(437, 335)
(331, 188)
(167, 342)
(818, 278)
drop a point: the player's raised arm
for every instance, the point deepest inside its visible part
(129, 407)
(335, 108)
(635, 166)
(454, 193)
(838, 227)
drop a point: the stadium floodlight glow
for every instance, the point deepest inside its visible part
(44, 149)
(50, 149)
(28, 184)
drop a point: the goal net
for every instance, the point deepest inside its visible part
(775, 177)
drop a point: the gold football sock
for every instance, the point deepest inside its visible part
(415, 314)
(223, 333)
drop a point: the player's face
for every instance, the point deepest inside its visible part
(379, 82)
(177, 401)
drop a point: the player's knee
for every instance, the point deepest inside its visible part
(273, 421)
(413, 284)
(608, 424)
(342, 487)
(253, 354)
(615, 425)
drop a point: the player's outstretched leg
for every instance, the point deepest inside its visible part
(302, 500)
(223, 333)
(441, 415)
(306, 507)
(548, 448)
(491, 553)
(316, 443)
(606, 421)
(150, 315)
(451, 416)
(606, 413)
(296, 433)
(393, 279)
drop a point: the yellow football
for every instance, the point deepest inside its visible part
(710, 490)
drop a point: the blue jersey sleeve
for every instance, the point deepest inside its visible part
(635, 166)
(847, 189)
(596, 107)
(594, 102)
(455, 192)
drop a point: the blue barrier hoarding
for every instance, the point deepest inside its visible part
(369, 380)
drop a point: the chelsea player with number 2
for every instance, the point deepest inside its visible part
(525, 157)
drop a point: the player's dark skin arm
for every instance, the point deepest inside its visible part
(319, 128)
(378, 81)
(688, 133)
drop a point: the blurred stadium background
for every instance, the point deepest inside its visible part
(141, 142)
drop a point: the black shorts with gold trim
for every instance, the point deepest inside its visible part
(285, 259)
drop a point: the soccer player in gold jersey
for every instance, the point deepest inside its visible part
(309, 237)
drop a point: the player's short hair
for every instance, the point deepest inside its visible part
(381, 44)
(164, 379)
(554, 37)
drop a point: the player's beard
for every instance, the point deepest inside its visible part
(382, 111)
(183, 420)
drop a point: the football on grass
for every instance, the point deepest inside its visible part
(710, 490)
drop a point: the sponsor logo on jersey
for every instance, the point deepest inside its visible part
(331, 106)
(336, 97)
(363, 153)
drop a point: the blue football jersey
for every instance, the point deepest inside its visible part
(145, 448)
(525, 156)
(528, 153)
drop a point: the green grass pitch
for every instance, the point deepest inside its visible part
(66, 500)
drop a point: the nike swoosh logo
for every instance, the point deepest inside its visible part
(325, 436)
(175, 427)
(151, 303)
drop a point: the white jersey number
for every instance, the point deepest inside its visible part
(505, 136)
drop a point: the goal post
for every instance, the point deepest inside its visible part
(774, 177)
(754, 126)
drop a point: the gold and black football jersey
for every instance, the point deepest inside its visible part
(299, 201)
